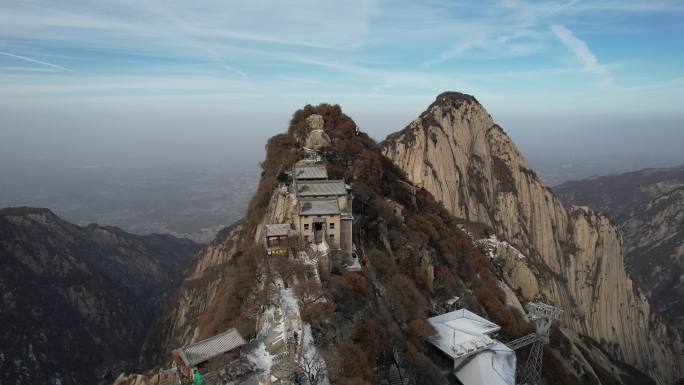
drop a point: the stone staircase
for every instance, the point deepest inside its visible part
(286, 364)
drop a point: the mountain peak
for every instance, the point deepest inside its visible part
(455, 151)
(32, 215)
(454, 98)
(24, 211)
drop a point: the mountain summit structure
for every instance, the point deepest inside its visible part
(446, 216)
(573, 257)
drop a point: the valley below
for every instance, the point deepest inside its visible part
(186, 201)
(648, 206)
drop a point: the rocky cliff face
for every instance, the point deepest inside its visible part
(180, 322)
(371, 323)
(77, 301)
(574, 257)
(648, 205)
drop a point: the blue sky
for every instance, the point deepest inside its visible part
(209, 59)
(377, 52)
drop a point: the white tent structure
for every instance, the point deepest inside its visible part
(478, 358)
(494, 366)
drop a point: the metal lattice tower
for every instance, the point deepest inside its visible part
(542, 316)
(531, 373)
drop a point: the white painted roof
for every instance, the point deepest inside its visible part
(211, 347)
(462, 333)
(494, 366)
(470, 326)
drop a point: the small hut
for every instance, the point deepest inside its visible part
(209, 354)
(277, 238)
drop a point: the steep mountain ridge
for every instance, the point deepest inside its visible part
(374, 319)
(455, 151)
(181, 318)
(648, 205)
(78, 301)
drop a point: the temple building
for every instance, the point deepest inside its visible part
(277, 238)
(329, 189)
(324, 209)
(307, 170)
(319, 220)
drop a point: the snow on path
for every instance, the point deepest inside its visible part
(492, 243)
(282, 321)
(310, 353)
(261, 358)
(291, 316)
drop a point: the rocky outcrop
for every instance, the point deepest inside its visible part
(418, 241)
(648, 205)
(179, 323)
(315, 122)
(77, 301)
(574, 257)
(317, 140)
(184, 320)
(315, 137)
(590, 362)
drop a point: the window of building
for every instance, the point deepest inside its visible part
(306, 226)
(332, 236)
(332, 225)
(306, 238)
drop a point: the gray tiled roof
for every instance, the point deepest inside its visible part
(211, 347)
(310, 172)
(318, 207)
(277, 230)
(321, 188)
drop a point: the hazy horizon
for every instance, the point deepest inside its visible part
(149, 87)
(65, 138)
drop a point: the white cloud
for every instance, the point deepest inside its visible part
(27, 69)
(579, 48)
(310, 23)
(629, 6)
(258, 47)
(36, 61)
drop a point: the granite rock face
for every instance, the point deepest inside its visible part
(574, 257)
(648, 205)
(182, 321)
(654, 234)
(179, 323)
(315, 122)
(317, 140)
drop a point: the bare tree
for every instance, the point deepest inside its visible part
(313, 366)
(288, 269)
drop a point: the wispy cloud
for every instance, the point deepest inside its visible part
(632, 6)
(27, 69)
(36, 61)
(579, 48)
(152, 47)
